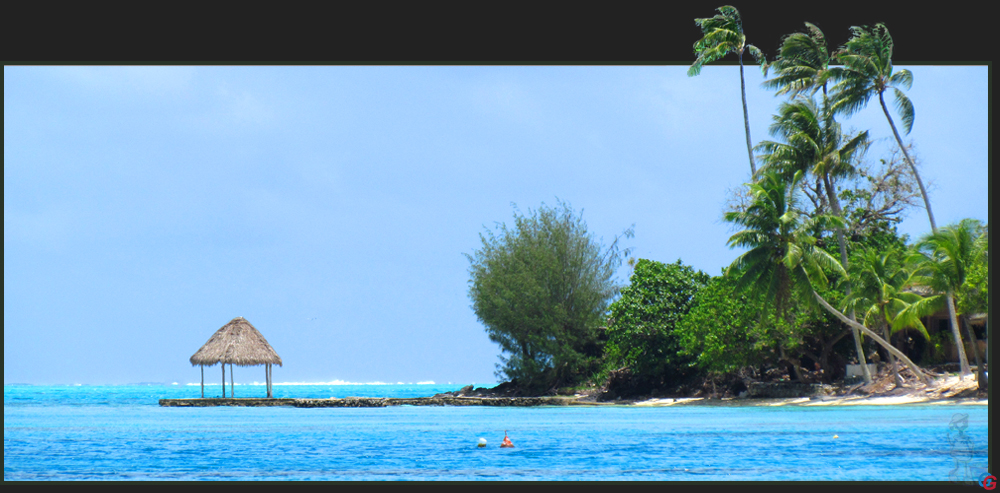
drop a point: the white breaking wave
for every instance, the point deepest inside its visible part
(335, 382)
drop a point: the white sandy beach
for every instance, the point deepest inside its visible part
(945, 391)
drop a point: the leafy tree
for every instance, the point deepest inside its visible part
(722, 35)
(722, 331)
(943, 258)
(878, 201)
(643, 321)
(782, 256)
(880, 279)
(874, 201)
(541, 289)
(728, 330)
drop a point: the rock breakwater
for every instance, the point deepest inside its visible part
(372, 402)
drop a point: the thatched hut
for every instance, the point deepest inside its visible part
(236, 343)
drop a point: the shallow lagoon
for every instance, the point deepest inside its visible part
(119, 432)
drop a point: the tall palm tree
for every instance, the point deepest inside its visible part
(722, 35)
(867, 71)
(943, 258)
(879, 280)
(803, 64)
(782, 256)
(814, 144)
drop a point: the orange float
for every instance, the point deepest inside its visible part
(506, 441)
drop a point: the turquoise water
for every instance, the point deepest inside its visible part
(120, 432)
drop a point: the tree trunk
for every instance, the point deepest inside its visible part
(892, 359)
(963, 361)
(984, 384)
(824, 355)
(975, 344)
(793, 362)
(887, 330)
(835, 205)
(746, 119)
(913, 167)
(916, 369)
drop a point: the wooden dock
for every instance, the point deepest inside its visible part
(374, 402)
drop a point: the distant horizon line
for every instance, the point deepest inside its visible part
(255, 383)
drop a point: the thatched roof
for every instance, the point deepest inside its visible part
(237, 343)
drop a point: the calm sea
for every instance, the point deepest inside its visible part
(120, 432)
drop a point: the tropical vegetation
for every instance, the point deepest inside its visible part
(542, 288)
(642, 323)
(820, 257)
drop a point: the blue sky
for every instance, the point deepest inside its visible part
(145, 207)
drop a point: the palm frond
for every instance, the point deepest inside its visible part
(707, 56)
(721, 35)
(902, 78)
(905, 108)
(758, 56)
(850, 96)
(828, 261)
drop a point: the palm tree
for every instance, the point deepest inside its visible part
(722, 35)
(803, 64)
(782, 256)
(815, 144)
(974, 296)
(867, 71)
(880, 280)
(943, 258)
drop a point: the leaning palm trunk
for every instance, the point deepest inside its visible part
(746, 118)
(963, 360)
(882, 342)
(975, 346)
(923, 191)
(835, 205)
(892, 359)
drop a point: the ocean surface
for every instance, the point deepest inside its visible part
(121, 433)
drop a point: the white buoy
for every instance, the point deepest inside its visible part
(482, 442)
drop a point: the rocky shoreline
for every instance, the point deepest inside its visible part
(372, 402)
(947, 390)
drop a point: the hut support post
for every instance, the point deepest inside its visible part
(267, 378)
(223, 380)
(202, 381)
(232, 383)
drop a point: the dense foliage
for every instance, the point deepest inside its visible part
(722, 331)
(974, 294)
(823, 279)
(641, 331)
(542, 289)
